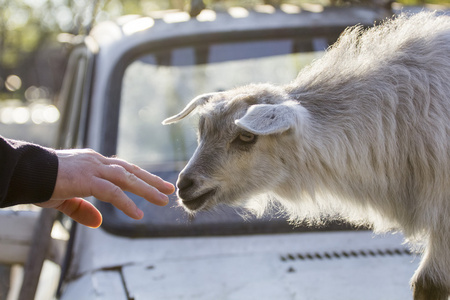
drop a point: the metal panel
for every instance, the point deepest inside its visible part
(250, 275)
(251, 267)
(101, 285)
(16, 228)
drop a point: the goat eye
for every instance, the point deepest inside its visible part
(244, 141)
(247, 137)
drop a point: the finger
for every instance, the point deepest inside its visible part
(81, 211)
(151, 179)
(106, 191)
(128, 181)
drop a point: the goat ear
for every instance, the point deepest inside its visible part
(265, 119)
(196, 102)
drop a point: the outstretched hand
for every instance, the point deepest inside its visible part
(83, 173)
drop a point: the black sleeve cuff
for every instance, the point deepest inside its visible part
(34, 174)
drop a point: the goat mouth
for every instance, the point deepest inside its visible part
(198, 202)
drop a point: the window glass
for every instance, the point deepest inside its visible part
(152, 92)
(158, 85)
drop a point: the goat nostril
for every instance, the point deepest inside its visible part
(185, 182)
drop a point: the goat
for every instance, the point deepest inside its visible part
(362, 133)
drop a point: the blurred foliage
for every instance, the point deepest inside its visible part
(25, 24)
(28, 25)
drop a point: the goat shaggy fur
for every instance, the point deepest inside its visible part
(362, 133)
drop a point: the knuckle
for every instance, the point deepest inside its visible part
(123, 176)
(92, 157)
(116, 192)
(134, 167)
(131, 178)
(117, 170)
(91, 153)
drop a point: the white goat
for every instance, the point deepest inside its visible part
(364, 132)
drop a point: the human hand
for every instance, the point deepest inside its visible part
(83, 173)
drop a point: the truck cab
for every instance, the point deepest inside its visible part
(127, 76)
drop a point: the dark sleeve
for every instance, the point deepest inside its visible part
(27, 172)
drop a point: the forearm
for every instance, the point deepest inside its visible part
(27, 172)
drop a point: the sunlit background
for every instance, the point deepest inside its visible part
(35, 39)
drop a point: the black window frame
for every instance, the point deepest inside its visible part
(75, 99)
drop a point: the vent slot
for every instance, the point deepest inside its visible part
(345, 254)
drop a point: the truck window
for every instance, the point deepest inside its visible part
(156, 85)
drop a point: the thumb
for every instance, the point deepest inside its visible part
(81, 211)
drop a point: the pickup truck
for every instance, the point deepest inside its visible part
(127, 76)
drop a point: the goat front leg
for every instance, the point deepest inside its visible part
(425, 290)
(432, 279)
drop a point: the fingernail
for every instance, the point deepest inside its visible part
(139, 214)
(172, 190)
(170, 186)
(163, 198)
